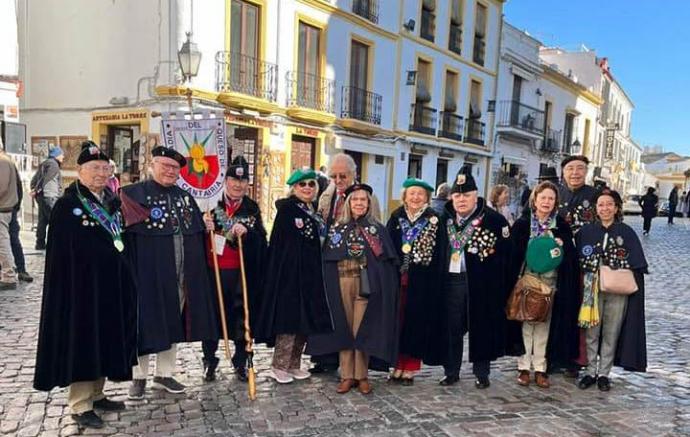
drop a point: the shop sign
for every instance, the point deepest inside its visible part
(120, 116)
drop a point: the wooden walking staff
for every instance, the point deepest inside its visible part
(251, 386)
(219, 289)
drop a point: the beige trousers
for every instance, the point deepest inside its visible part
(354, 364)
(535, 336)
(82, 395)
(9, 274)
(165, 364)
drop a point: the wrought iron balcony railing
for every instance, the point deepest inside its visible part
(552, 141)
(512, 113)
(452, 126)
(244, 74)
(475, 132)
(360, 104)
(423, 119)
(368, 9)
(310, 91)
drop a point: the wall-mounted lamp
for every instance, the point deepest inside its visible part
(411, 77)
(409, 25)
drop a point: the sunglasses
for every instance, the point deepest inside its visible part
(310, 184)
(339, 176)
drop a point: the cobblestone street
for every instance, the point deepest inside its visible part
(651, 404)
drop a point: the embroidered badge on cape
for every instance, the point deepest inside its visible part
(299, 223)
(505, 231)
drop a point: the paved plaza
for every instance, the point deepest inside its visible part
(652, 404)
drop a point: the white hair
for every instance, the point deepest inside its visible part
(351, 165)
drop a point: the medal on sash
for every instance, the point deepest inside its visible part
(410, 233)
(108, 222)
(406, 248)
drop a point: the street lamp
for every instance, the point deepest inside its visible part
(576, 147)
(189, 58)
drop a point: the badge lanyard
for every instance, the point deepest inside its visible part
(457, 244)
(110, 224)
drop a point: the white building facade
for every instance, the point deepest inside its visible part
(296, 80)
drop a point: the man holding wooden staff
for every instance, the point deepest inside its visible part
(167, 238)
(236, 217)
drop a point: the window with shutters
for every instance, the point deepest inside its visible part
(479, 34)
(428, 25)
(455, 32)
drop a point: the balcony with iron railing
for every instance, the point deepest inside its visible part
(310, 97)
(452, 126)
(368, 9)
(552, 141)
(360, 104)
(474, 132)
(240, 75)
(524, 118)
(455, 39)
(479, 49)
(423, 119)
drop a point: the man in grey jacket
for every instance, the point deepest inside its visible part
(46, 186)
(8, 201)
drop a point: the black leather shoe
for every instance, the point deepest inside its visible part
(482, 382)
(586, 382)
(88, 419)
(449, 380)
(407, 381)
(570, 373)
(241, 374)
(25, 277)
(210, 367)
(106, 404)
(603, 383)
(322, 368)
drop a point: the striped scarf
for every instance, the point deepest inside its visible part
(589, 311)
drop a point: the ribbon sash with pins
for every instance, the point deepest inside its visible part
(110, 223)
(458, 239)
(410, 233)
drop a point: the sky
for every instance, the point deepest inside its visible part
(648, 46)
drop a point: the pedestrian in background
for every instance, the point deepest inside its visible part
(554, 342)
(15, 240)
(684, 203)
(9, 199)
(672, 204)
(438, 203)
(420, 240)
(649, 204)
(362, 288)
(113, 182)
(294, 304)
(499, 200)
(46, 187)
(615, 323)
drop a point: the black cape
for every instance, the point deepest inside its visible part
(88, 316)
(420, 334)
(254, 247)
(489, 280)
(577, 207)
(378, 331)
(623, 251)
(294, 300)
(649, 204)
(161, 323)
(564, 334)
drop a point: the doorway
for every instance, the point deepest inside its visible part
(302, 152)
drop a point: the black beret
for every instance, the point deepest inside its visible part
(356, 187)
(464, 181)
(238, 169)
(572, 158)
(171, 153)
(91, 152)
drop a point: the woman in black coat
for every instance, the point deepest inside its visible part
(295, 303)
(556, 340)
(420, 238)
(649, 203)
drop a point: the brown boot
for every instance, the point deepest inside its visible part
(523, 378)
(364, 386)
(542, 379)
(345, 386)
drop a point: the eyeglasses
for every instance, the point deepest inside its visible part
(310, 184)
(338, 176)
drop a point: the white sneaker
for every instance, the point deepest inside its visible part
(280, 376)
(299, 373)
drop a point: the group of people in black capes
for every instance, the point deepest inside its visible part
(130, 275)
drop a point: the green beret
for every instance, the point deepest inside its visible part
(414, 182)
(544, 254)
(301, 174)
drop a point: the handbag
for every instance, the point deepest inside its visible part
(364, 289)
(530, 300)
(619, 281)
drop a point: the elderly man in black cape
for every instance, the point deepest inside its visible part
(236, 216)
(166, 233)
(477, 280)
(88, 322)
(575, 197)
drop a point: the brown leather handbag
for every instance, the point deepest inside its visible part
(530, 300)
